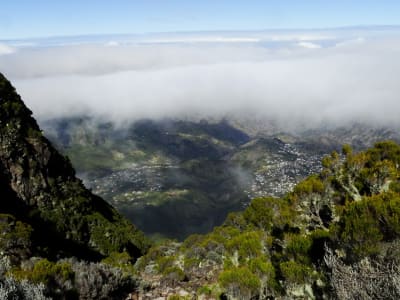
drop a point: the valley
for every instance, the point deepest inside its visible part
(174, 178)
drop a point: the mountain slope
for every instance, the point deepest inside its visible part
(335, 236)
(38, 186)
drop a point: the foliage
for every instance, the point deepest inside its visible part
(165, 262)
(364, 224)
(11, 289)
(247, 245)
(297, 273)
(266, 213)
(15, 237)
(101, 281)
(71, 279)
(115, 236)
(298, 247)
(45, 272)
(173, 275)
(239, 282)
(178, 297)
(310, 185)
(367, 279)
(121, 261)
(57, 277)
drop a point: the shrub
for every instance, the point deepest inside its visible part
(173, 275)
(164, 262)
(295, 273)
(15, 237)
(101, 281)
(191, 264)
(240, 282)
(310, 185)
(247, 244)
(367, 279)
(298, 247)
(23, 290)
(46, 272)
(364, 224)
(260, 213)
(178, 297)
(56, 277)
(120, 260)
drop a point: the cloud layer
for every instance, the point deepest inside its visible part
(293, 78)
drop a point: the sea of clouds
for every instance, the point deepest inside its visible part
(293, 77)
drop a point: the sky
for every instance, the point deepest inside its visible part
(20, 19)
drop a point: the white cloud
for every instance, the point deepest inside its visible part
(357, 81)
(112, 44)
(5, 49)
(205, 39)
(309, 45)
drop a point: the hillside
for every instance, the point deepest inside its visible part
(45, 210)
(335, 236)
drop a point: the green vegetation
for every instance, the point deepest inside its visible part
(294, 272)
(364, 225)
(45, 271)
(240, 282)
(15, 237)
(276, 246)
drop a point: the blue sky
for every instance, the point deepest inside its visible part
(41, 18)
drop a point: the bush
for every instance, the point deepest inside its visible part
(309, 186)
(296, 273)
(178, 297)
(15, 237)
(164, 263)
(69, 279)
(46, 272)
(364, 224)
(260, 213)
(367, 279)
(239, 283)
(56, 277)
(11, 289)
(298, 247)
(120, 260)
(101, 281)
(247, 244)
(173, 275)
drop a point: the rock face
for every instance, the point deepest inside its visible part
(38, 185)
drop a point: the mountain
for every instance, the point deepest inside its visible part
(39, 187)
